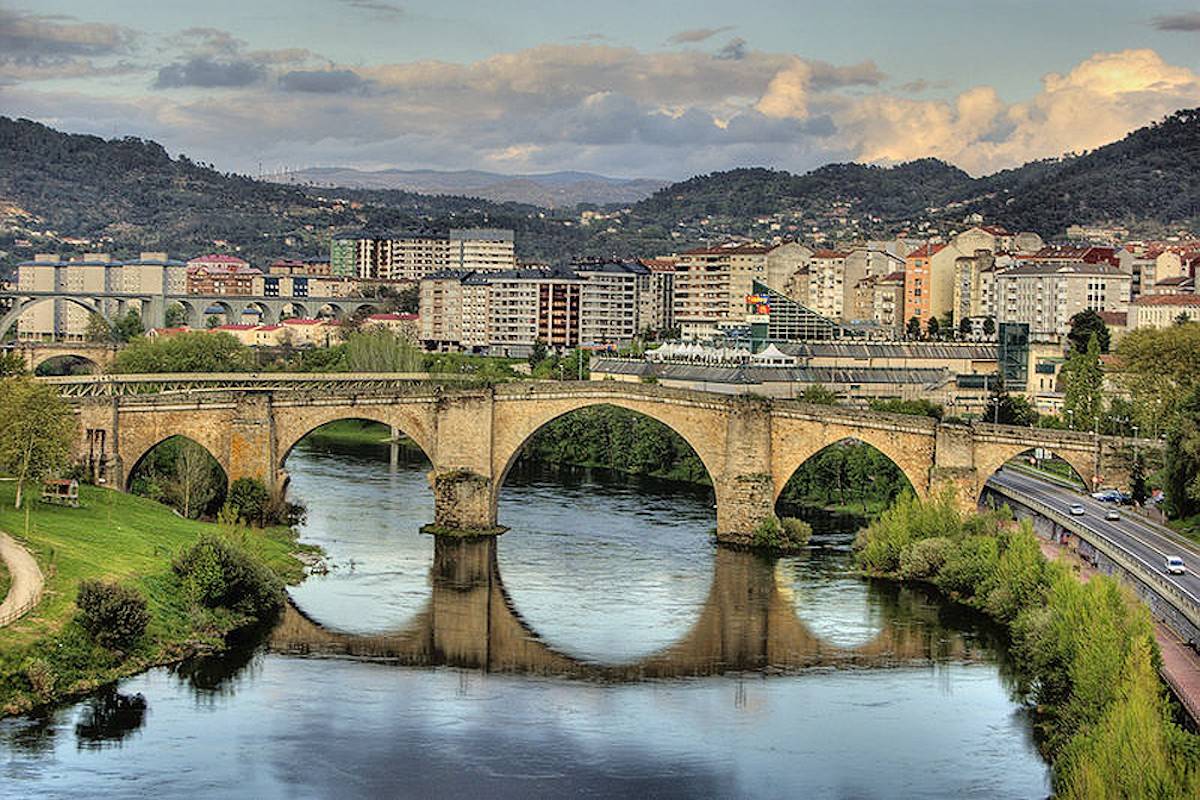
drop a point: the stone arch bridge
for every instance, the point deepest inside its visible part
(472, 436)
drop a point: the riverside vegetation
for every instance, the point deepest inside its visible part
(196, 581)
(1086, 654)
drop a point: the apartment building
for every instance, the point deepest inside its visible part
(411, 255)
(1150, 264)
(610, 300)
(918, 283)
(827, 283)
(887, 300)
(482, 249)
(1046, 295)
(217, 274)
(711, 285)
(1163, 310)
(656, 295)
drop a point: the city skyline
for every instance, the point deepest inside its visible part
(373, 84)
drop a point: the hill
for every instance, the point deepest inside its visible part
(71, 193)
(549, 190)
(127, 195)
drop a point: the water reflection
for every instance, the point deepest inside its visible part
(108, 718)
(747, 622)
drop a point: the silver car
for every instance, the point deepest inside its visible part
(1175, 566)
(1076, 510)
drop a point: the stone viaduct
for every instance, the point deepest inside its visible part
(473, 435)
(34, 354)
(748, 621)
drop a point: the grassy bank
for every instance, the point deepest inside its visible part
(350, 432)
(46, 655)
(1085, 653)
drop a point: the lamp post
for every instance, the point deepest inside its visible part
(1071, 418)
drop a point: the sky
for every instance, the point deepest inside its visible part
(631, 89)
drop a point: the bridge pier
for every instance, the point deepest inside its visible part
(744, 487)
(252, 441)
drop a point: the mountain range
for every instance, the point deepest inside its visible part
(126, 195)
(549, 190)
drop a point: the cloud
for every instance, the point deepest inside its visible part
(204, 72)
(28, 37)
(331, 81)
(734, 50)
(377, 6)
(697, 34)
(1187, 22)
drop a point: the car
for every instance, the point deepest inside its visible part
(1174, 565)
(1107, 496)
(1112, 515)
(1076, 510)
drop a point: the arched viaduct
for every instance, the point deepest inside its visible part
(472, 435)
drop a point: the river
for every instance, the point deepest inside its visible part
(603, 646)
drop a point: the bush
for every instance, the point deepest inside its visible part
(249, 498)
(923, 560)
(796, 532)
(116, 616)
(968, 565)
(218, 574)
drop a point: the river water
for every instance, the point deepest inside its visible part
(602, 647)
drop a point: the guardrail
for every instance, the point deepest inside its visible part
(1184, 601)
(74, 386)
(15, 614)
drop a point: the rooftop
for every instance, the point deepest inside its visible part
(1168, 300)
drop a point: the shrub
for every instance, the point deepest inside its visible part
(249, 499)
(796, 532)
(922, 560)
(116, 616)
(218, 574)
(968, 565)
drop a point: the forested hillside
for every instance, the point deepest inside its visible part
(126, 195)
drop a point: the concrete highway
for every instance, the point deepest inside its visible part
(1145, 541)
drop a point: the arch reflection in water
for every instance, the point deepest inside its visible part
(746, 623)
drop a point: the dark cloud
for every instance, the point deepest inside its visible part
(697, 34)
(734, 50)
(33, 36)
(1188, 22)
(828, 76)
(330, 81)
(376, 6)
(208, 73)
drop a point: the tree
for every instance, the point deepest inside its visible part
(537, 354)
(11, 365)
(175, 316)
(989, 327)
(378, 349)
(913, 328)
(1007, 409)
(1084, 325)
(932, 327)
(127, 326)
(115, 615)
(194, 351)
(964, 327)
(194, 482)
(1182, 468)
(1137, 479)
(819, 395)
(1158, 367)
(917, 408)
(212, 321)
(1083, 401)
(36, 432)
(98, 329)
(408, 299)
(249, 499)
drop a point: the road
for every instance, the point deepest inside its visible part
(1144, 540)
(27, 580)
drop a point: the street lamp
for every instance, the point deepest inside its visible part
(1071, 418)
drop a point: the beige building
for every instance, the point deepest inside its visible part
(609, 301)
(888, 303)
(481, 249)
(711, 286)
(656, 295)
(1047, 295)
(1148, 264)
(1163, 310)
(827, 283)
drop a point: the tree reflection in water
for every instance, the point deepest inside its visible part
(108, 718)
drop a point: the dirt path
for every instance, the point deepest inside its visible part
(27, 582)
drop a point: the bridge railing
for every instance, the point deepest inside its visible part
(78, 386)
(1181, 599)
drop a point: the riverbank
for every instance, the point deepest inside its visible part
(1085, 652)
(46, 656)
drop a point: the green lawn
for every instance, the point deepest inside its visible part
(123, 537)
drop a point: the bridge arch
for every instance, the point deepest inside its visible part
(416, 421)
(24, 304)
(842, 475)
(202, 471)
(43, 363)
(515, 428)
(909, 444)
(989, 459)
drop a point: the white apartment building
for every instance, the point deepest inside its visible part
(1163, 310)
(482, 249)
(609, 301)
(1047, 295)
